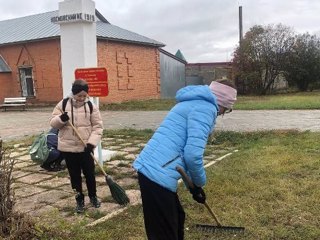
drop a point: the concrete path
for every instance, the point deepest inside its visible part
(17, 124)
(236, 121)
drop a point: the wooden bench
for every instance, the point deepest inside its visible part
(14, 102)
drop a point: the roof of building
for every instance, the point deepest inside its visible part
(180, 55)
(214, 64)
(172, 56)
(40, 27)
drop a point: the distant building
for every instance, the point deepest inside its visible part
(30, 60)
(205, 73)
(180, 55)
(176, 73)
(172, 74)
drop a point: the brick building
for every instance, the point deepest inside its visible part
(30, 60)
(205, 73)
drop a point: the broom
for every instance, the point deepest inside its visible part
(206, 227)
(117, 193)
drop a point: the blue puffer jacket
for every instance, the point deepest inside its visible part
(180, 139)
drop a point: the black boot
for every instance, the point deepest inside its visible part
(47, 167)
(80, 203)
(95, 202)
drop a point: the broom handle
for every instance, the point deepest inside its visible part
(191, 185)
(84, 144)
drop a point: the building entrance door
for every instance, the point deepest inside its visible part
(26, 82)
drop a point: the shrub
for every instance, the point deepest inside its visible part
(13, 225)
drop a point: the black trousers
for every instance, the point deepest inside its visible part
(53, 161)
(163, 214)
(77, 163)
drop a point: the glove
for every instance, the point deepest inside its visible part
(198, 194)
(89, 148)
(64, 117)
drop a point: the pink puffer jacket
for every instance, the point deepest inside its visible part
(89, 126)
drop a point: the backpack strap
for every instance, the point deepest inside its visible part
(90, 106)
(64, 104)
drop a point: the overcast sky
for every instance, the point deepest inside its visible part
(203, 30)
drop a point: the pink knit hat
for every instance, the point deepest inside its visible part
(226, 96)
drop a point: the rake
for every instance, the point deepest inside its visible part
(206, 227)
(117, 193)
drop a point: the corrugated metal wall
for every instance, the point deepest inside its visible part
(172, 76)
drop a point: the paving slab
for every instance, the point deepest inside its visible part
(23, 164)
(28, 205)
(25, 190)
(35, 178)
(55, 182)
(51, 198)
(18, 174)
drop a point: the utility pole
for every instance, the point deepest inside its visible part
(240, 25)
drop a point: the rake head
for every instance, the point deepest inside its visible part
(212, 228)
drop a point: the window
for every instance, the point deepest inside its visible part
(4, 67)
(26, 81)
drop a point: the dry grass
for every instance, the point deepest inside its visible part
(13, 225)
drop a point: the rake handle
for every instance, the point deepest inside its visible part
(84, 144)
(186, 179)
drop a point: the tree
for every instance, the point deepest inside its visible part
(303, 68)
(262, 55)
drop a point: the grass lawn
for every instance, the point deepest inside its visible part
(303, 100)
(270, 186)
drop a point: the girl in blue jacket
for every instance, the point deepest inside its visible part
(180, 140)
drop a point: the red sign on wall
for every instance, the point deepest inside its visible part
(97, 79)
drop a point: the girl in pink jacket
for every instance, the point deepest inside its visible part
(89, 125)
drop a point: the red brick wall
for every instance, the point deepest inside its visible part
(133, 70)
(44, 58)
(6, 86)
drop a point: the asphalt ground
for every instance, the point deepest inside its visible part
(15, 124)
